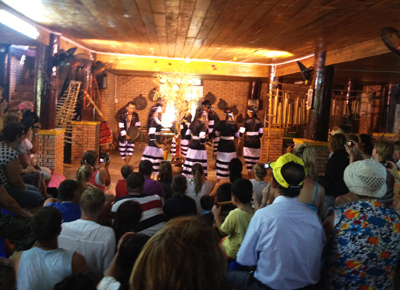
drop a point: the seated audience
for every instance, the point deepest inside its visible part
(179, 204)
(260, 172)
(26, 195)
(117, 276)
(224, 199)
(120, 188)
(151, 187)
(127, 217)
(165, 177)
(237, 221)
(100, 177)
(198, 185)
(335, 130)
(235, 172)
(284, 240)
(83, 175)
(396, 154)
(76, 281)
(46, 264)
(153, 217)
(68, 192)
(182, 239)
(95, 242)
(207, 202)
(364, 241)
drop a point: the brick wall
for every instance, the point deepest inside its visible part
(51, 150)
(276, 145)
(85, 136)
(321, 159)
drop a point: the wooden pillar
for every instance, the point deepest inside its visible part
(5, 70)
(393, 92)
(322, 84)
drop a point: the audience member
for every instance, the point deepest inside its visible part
(224, 199)
(127, 217)
(165, 178)
(83, 176)
(46, 264)
(198, 185)
(182, 239)
(396, 154)
(76, 281)
(364, 245)
(100, 177)
(151, 187)
(335, 130)
(268, 243)
(95, 242)
(207, 202)
(235, 172)
(153, 218)
(260, 172)
(179, 204)
(366, 144)
(237, 221)
(120, 188)
(68, 192)
(358, 150)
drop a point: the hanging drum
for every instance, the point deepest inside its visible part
(222, 104)
(210, 97)
(239, 118)
(153, 96)
(140, 103)
(235, 111)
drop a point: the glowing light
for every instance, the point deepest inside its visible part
(169, 115)
(272, 53)
(33, 9)
(19, 25)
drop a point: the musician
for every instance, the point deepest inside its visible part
(154, 150)
(197, 151)
(254, 131)
(227, 130)
(213, 120)
(126, 120)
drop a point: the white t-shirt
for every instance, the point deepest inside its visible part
(205, 190)
(258, 187)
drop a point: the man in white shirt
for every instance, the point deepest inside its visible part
(284, 240)
(85, 236)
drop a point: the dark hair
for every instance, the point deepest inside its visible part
(337, 142)
(367, 143)
(198, 114)
(134, 181)
(28, 119)
(293, 173)
(197, 172)
(353, 137)
(130, 103)
(46, 223)
(206, 202)
(76, 281)
(224, 193)
(165, 171)
(126, 170)
(145, 167)
(188, 118)
(235, 169)
(127, 217)
(12, 130)
(66, 189)
(254, 111)
(90, 157)
(228, 111)
(179, 185)
(206, 103)
(151, 112)
(243, 190)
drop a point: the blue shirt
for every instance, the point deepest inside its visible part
(70, 211)
(285, 241)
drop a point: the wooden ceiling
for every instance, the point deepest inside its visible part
(215, 29)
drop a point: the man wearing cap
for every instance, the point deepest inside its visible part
(284, 240)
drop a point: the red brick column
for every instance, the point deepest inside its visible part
(85, 136)
(275, 146)
(51, 150)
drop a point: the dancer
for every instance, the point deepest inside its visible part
(126, 120)
(254, 131)
(197, 151)
(185, 138)
(154, 151)
(213, 121)
(227, 130)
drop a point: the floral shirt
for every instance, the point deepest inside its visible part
(365, 247)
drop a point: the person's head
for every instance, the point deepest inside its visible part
(366, 178)
(46, 224)
(259, 170)
(198, 176)
(396, 154)
(307, 154)
(154, 111)
(199, 114)
(165, 171)
(135, 183)
(383, 150)
(25, 106)
(335, 130)
(126, 170)
(76, 281)
(206, 202)
(92, 201)
(127, 217)
(242, 191)
(206, 105)
(353, 141)
(366, 143)
(288, 174)
(145, 167)
(235, 169)
(181, 239)
(179, 185)
(14, 132)
(337, 142)
(91, 158)
(83, 176)
(252, 111)
(224, 193)
(10, 117)
(28, 119)
(228, 114)
(68, 190)
(130, 107)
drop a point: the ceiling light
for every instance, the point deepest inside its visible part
(272, 53)
(127, 15)
(19, 25)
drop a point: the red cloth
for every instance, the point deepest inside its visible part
(120, 188)
(93, 181)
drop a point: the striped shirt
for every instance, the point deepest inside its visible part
(285, 241)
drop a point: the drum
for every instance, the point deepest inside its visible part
(135, 134)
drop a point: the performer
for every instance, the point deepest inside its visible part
(125, 121)
(197, 151)
(227, 130)
(185, 138)
(213, 120)
(254, 131)
(154, 151)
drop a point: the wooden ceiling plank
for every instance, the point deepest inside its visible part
(185, 14)
(172, 13)
(158, 7)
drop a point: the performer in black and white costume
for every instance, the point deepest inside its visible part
(213, 121)
(125, 121)
(227, 130)
(197, 151)
(154, 151)
(185, 138)
(253, 128)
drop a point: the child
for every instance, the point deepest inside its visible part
(120, 188)
(207, 202)
(237, 221)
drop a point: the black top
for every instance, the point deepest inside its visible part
(252, 126)
(184, 128)
(213, 121)
(333, 180)
(179, 206)
(154, 131)
(124, 126)
(198, 130)
(167, 189)
(227, 129)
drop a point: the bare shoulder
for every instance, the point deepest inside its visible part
(78, 263)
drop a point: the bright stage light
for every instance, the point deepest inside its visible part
(19, 25)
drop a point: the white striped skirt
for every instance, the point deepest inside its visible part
(194, 156)
(223, 159)
(251, 157)
(184, 146)
(155, 155)
(216, 142)
(173, 146)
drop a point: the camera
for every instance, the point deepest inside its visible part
(267, 165)
(350, 143)
(104, 157)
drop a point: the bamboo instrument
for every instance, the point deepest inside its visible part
(276, 106)
(290, 115)
(299, 115)
(279, 118)
(304, 110)
(333, 107)
(285, 104)
(295, 111)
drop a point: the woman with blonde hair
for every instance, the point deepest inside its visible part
(260, 172)
(183, 255)
(83, 176)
